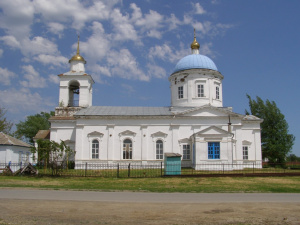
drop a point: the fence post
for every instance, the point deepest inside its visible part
(85, 169)
(161, 169)
(129, 170)
(253, 167)
(223, 168)
(118, 170)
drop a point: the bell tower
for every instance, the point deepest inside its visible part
(75, 87)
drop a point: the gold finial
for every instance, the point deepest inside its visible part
(78, 45)
(195, 44)
(77, 57)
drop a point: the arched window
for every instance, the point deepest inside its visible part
(159, 149)
(127, 149)
(74, 91)
(95, 149)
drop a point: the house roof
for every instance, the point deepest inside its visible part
(9, 140)
(42, 134)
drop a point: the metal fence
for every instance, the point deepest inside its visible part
(139, 170)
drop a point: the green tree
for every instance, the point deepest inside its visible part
(276, 142)
(54, 155)
(29, 128)
(5, 125)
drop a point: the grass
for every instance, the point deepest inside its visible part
(169, 184)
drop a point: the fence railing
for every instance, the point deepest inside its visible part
(123, 170)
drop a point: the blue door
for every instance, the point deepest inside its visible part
(213, 150)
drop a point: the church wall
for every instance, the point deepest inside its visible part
(144, 134)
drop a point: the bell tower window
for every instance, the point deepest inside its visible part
(74, 93)
(200, 90)
(217, 92)
(180, 92)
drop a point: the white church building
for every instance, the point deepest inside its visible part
(196, 125)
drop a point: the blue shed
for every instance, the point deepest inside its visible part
(172, 164)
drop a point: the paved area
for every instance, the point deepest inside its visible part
(55, 207)
(146, 197)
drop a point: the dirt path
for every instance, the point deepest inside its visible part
(79, 212)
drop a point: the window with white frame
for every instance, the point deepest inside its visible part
(200, 90)
(159, 149)
(95, 149)
(186, 152)
(127, 149)
(245, 152)
(217, 92)
(180, 92)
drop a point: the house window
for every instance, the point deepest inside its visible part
(200, 90)
(159, 149)
(95, 149)
(217, 92)
(245, 152)
(180, 92)
(186, 152)
(127, 149)
(213, 150)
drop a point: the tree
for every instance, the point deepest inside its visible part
(5, 126)
(293, 158)
(54, 155)
(276, 142)
(29, 128)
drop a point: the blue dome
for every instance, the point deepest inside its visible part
(195, 61)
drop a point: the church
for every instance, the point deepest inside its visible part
(196, 125)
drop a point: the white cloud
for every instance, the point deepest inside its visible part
(1, 52)
(173, 22)
(198, 8)
(73, 11)
(102, 70)
(53, 79)
(123, 28)
(19, 100)
(38, 45)
(156, 71)
(124, 65)
(166, 53)
(150, 22)
(97, 45)
(128, 88)
(16, 17)
(205, 49)
(11, 41)
(60, 61)
(6, 76)
(56, 28)
(154, 33)
(32, 77)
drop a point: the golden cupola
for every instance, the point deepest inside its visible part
(77, 57)
(195, 46)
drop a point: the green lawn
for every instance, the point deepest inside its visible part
(168, 184)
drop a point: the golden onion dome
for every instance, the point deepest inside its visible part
(195, 44)
(77, 57)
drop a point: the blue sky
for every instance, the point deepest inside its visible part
(131, 47)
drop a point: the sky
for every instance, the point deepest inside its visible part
(132, 47)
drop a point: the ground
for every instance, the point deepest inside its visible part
(81, 212)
